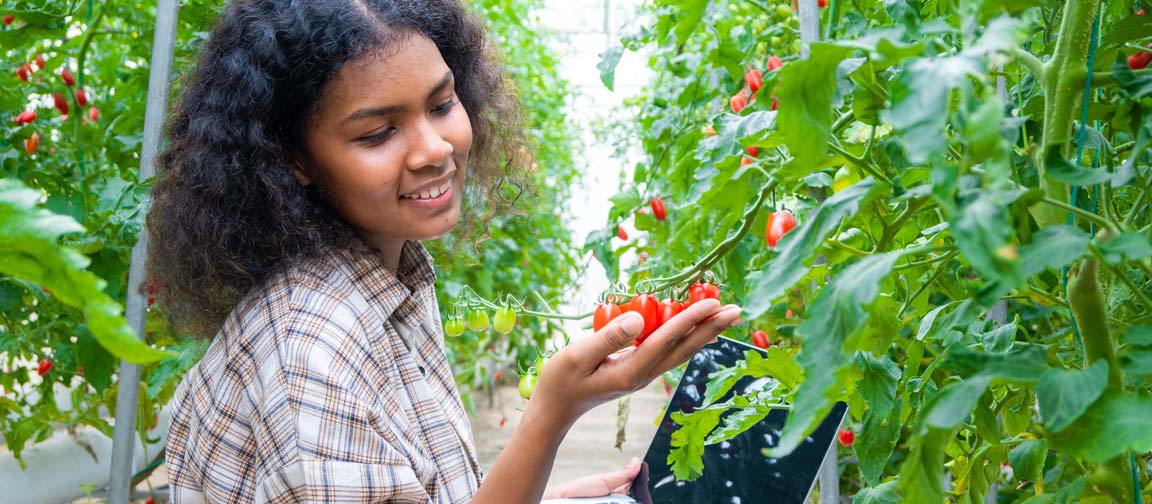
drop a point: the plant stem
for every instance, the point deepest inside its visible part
(1079, 211)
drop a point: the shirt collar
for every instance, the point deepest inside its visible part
(386, 290)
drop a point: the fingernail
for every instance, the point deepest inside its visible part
(632, 324)
(737, 322)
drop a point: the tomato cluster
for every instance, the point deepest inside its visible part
(24, 72)
(504, 321)
(654, 312)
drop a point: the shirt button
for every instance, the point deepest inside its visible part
(421, 368)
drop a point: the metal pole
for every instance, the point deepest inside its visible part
(809, 25)
(127, 398)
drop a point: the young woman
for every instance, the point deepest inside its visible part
(315, 145)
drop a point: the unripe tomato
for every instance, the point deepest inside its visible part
(527, 385)
(454, 327)
(44, 367)
(67, 77)
(754, 80)
(702, 291)
(32, 143)
(783, 12)
(668, 309)
(760, 339)
(774, 63)
(649, 308)
(478, 320)
(779, 224)
(505, 320)
(847, 437)
(604, 314)
(658, 210)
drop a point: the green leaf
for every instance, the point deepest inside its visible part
(1132, 246)
(880, 494)
(877, 441)
(798, 247)
(1000, 339)
(824, 356)
(1060, 170)
(805, 94)
(922, 473)
(983, 231)
(920, 96)
(686, 458)
(607, 66)
(1065, 395)
(1053, 247)
(1068, 494)
(689, 13)
(1116, 424)
(1138, 335)
(951, 405)
(1027, 459)
(98, 364)
(880, 377)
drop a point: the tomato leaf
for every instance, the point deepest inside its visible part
(1116, 424)
(1027, 459)
(1131, 246)
(607, 65)
(1065, 395)
(881, 494)
(687, 456)
(1138, 335)
(880, 377)
(805, 94)
(1053, 247)
(877, 441)
(922, 473)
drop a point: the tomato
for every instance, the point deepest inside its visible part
(847, 437)
(454, 327)
(754, 80)
(709, 131)
(702, 291)
(40, 61)
(649, 308)
(779, 224)
(746, 161)
(81, 97)
(527, 385)
(668, 309)
(658, 209)
(26, 117)
(753, 151)
(822, 3)
(774, 102)
(604, 314)
(1140, 59)
(8, 20)
(738, 103)
(67, 77)
(760, 339)
(60, 103)
(775, 63)
(505, 320)
(94, 114)
(150, 500)
(23, 71)
(541, 361)
(44, 367)
(32, 143)
(477, 320)
(621, 233)
(498, 376)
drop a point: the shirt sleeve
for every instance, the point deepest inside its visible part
(324, 425)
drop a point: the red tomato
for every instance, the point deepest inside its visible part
(753, 151)
(81, 97)
(498, 376)
(1140, 59)
(847, 437)
(44, 367)
(23, 71)
(9, 19)
(621, 233)
(26, 117)
(668, 309)
(760, 339)
(67, 77)
(658, 209)
(779, 224)
(822, 3)
(649, 308)
(702, 291)
(60, 103)
(32, 143)
(709, 131)
(775, 63)
(40, 60)
(754, 80)
(738, 103)
(94, 114)
(604, 314)
(746, 162)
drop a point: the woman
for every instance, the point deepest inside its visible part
(315, 145)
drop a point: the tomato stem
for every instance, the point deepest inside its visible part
(1079, 211)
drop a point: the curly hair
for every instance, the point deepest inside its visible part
(227, 210)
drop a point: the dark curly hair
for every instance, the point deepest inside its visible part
(227, 210)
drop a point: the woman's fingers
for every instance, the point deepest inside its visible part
(589, 352)
(699, 336)
(670, 338)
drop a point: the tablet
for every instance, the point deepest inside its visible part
(735, 471)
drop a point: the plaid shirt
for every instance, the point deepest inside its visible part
(328, 383)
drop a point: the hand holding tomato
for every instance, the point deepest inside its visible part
(605, 366)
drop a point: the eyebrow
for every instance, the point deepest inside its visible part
(392, 109)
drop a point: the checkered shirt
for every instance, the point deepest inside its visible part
(328, 383)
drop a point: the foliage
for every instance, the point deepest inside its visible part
(79, 196)
(947, 184)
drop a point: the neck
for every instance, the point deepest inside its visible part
(390, 248)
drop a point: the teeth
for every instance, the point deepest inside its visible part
(434, 192)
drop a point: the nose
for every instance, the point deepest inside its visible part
(427, 146)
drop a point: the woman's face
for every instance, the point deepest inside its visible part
(390, 143)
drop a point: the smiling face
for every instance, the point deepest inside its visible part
(389, 144)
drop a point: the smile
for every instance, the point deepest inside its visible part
(430, 194)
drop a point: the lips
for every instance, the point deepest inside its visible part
(430, 190)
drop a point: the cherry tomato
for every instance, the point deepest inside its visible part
(67, 77)
(779, 224)
(668, 309)
(709, 131)
(94, 114)
(1140, 59)
(44, 367)
(775, 63)
(649, 308)
(32, 143)
(23, 71)
(658, 210)
(702, 291)
(604, 314)
(621, 233)
(505, 320)
(9, 19)
(760, 339)
(40, 61)
(478, 320)
(753, 151)
(60, 103)
(454, 327)
(26, 117)
(527, 385)
(754, 80)
(847, 437)
(81, 97)
(738, 103)
(498, 376)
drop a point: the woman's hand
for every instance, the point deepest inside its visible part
(597, 485)
(606, 365)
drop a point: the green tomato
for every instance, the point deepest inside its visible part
(783, 11)
(540, 362)
(775, 42)
(478, 320)
(527, 385)
(505, 320)
(454, 327)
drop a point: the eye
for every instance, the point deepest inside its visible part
(379, 137)
(443, 108)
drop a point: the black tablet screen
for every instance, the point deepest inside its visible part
(735, 471)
